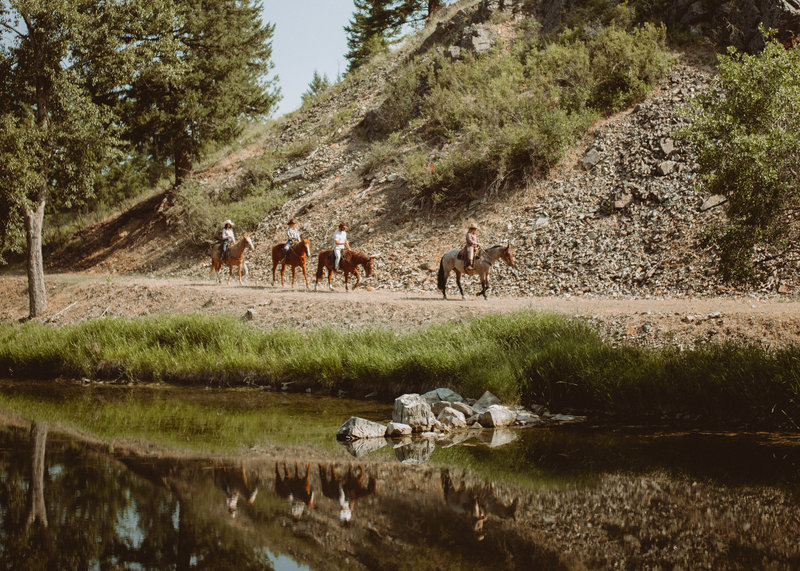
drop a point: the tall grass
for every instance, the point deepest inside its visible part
(526, 357)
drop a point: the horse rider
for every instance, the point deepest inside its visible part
(293, 235)
(471, 246)
(340, 243)
(227, 237)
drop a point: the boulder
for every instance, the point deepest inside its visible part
(666, 167)
(395, 429)
(438, 407)
(355, 428)
(496, 416)
(442, 394)
(451, 418)
(487, 399)
(413, 410)
(712, 202)
(464, 409)
(590, 159)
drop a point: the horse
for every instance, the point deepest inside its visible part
(348, 264)
(482, 266)
(297, 255)
(233, 257)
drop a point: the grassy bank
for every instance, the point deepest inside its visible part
(525, 356)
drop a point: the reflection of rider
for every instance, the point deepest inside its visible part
(340, 243)
(292, 235)
(476, 500)
(227, 237)
(471, 246)
(235, 483)
(346, 489)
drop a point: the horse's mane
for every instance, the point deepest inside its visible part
(358, 257)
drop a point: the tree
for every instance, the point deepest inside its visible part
(59, 60)
(376, 24)
(224, 58)
(319, 83)
(747, 128)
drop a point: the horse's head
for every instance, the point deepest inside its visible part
(307, 246)
(249, 241)
(508, 255)
(368, 267)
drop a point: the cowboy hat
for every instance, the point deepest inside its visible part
(227, 222)
(472, 225)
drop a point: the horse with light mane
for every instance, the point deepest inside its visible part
(234, 256)
(298, 253)
(348, 264)
(452, 262)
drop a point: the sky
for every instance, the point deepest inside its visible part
(309, 35)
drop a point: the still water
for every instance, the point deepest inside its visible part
(253, 480)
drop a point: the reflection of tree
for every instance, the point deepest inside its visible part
(36, 506)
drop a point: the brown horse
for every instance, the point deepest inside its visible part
(298, 253)
(233, 257)
(348, 264)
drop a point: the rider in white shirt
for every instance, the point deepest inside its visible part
(227, 236)
(340, 243)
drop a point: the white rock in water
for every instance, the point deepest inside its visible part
(355, 427)
(496, 416)
(395, 429)
(452, 418)
(413, 410)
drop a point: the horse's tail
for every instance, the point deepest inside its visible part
(441, 278)
(320, 265)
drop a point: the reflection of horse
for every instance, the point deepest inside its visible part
(346, 488)
(451, 261)
(296, 488)
(476, 500)
(234, 256)
(297, 255)
(348, 264)
(235, 483)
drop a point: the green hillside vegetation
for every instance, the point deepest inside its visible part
(526, 357)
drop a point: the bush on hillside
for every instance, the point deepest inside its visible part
(747, 128)
(487, 122)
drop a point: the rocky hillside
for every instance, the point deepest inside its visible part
(621, 216)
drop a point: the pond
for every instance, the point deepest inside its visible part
(177, 478)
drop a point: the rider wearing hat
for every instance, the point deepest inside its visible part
(293, 235)
(340, 243)
(227, 236)
(471, 246)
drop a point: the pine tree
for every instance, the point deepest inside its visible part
(61, 62)
(376, 24)
(223, 62)
(319, 83)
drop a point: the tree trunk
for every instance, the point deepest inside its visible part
(36, 505)
(182, 160)
(37, 293)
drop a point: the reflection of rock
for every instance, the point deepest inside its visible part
(486, 400)
(495, 438)
(413, 410)
(355, 427)
(363, 446)
(454, 439)
(497, 415)
(415, 452)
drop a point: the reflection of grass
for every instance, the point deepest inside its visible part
(173, 420)
(523, 356)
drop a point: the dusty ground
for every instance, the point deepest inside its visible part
(771, 322)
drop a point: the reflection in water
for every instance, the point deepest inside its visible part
(67, 503)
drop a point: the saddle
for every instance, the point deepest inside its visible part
(462, 254)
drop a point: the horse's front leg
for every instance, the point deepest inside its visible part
(458, 282)
(305, 274)
(330, 271)
(346, 276)
(283, 269)
(484, 287)
(239, 271)
(358, 278)
(293, 268)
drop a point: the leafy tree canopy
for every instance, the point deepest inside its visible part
(747, 128)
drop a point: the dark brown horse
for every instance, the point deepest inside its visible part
(234, 256)
(348, 264)
(298, 253)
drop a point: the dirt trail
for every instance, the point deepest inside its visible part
(686, 322)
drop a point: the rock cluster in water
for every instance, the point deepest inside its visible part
(443, 417)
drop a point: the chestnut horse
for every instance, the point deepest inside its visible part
(451, 262)
(348, 264)
(298, 253)
(233, 257)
